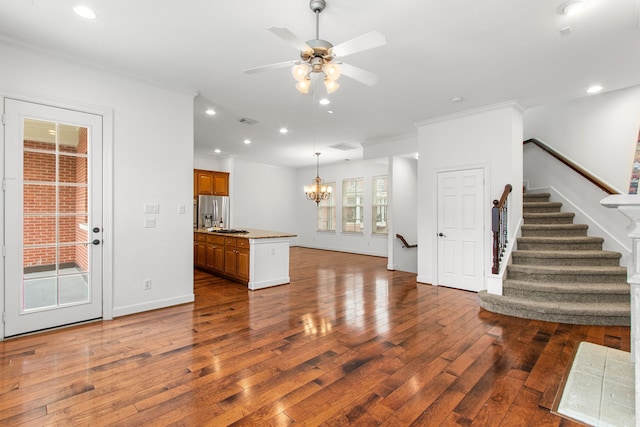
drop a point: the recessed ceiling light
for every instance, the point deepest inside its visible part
(324, 101)
(330, 111)
(284, 130)
(247, 141)
(217, 151)
(571, 7)
(84, 12)
(211, 112)
(594, 89)
(457, 99)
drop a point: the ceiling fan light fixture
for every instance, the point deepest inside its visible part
(332, 71)
(330, 85)
(304, 85)
(300, 71)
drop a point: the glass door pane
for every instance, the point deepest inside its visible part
(55, 216)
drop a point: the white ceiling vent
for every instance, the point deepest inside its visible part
(247, 121)
(343, 147)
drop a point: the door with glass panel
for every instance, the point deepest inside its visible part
(53, 216)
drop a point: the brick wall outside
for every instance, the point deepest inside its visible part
(40, 202)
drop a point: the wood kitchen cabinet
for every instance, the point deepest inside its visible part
(210, 183)
(200, 250)
(236, 258)
(228, 256)
(215, 253)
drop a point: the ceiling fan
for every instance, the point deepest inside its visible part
(320, 56)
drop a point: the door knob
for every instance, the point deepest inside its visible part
(96, 229)
(441, 235)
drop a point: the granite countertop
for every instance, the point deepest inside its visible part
(251, 233)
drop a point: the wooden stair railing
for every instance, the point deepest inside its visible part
(499, 227)
(404, 242)
(582, 172)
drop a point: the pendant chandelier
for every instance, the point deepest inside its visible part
(317, 191)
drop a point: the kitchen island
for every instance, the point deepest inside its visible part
(257, 258)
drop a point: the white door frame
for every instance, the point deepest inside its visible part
(486, 228)
(107, 195)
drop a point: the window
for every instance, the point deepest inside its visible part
(327, 210)
(352, 205)
(379, 207)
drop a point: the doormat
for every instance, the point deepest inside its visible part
(599, 389)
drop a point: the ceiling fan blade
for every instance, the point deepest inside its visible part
(363, 42)
(290, 38)
(271, 67)
(358, 74)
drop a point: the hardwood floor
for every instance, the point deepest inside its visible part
(347, 342)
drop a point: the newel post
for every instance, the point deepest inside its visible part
(629, 205)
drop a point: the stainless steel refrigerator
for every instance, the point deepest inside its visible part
(213, 211)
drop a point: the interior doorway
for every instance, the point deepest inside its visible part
(53, 216)
(461, 229)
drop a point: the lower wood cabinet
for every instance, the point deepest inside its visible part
(236, 258)
(200, 250)
(215, 253)
(226, 256)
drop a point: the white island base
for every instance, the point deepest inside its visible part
(268, 262)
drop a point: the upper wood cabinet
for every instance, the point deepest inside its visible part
(211, 183)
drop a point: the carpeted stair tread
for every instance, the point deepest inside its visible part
(600, 313)
(539, 204)
(560, 243)
(532, 230)
(536, 196)
(568, 254)
(541, 207)
(567, 273)
(569, 269)
(566, 257)
(552, 239)
(548, 217)
(618, 288)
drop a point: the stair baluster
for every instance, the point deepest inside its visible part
(499, 227)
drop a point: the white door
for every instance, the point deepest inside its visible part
(53, 216)
(461, 229)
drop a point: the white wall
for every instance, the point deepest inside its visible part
(597, 132)
(490, 138)
(543, 173)
(263, 196)
(366, 243)
(152, 146)
(207, 163)
(403, 211)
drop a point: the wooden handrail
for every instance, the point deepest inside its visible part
(582, 172)
(404, 242)
(507, 189)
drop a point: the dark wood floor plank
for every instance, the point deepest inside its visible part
(346, 343)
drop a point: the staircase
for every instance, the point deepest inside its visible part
(560, 274)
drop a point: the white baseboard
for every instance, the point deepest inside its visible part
(152, 305)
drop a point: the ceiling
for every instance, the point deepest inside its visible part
(484, 52)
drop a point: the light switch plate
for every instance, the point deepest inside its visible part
(150, 222)
(181, 209)
(151, 208)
